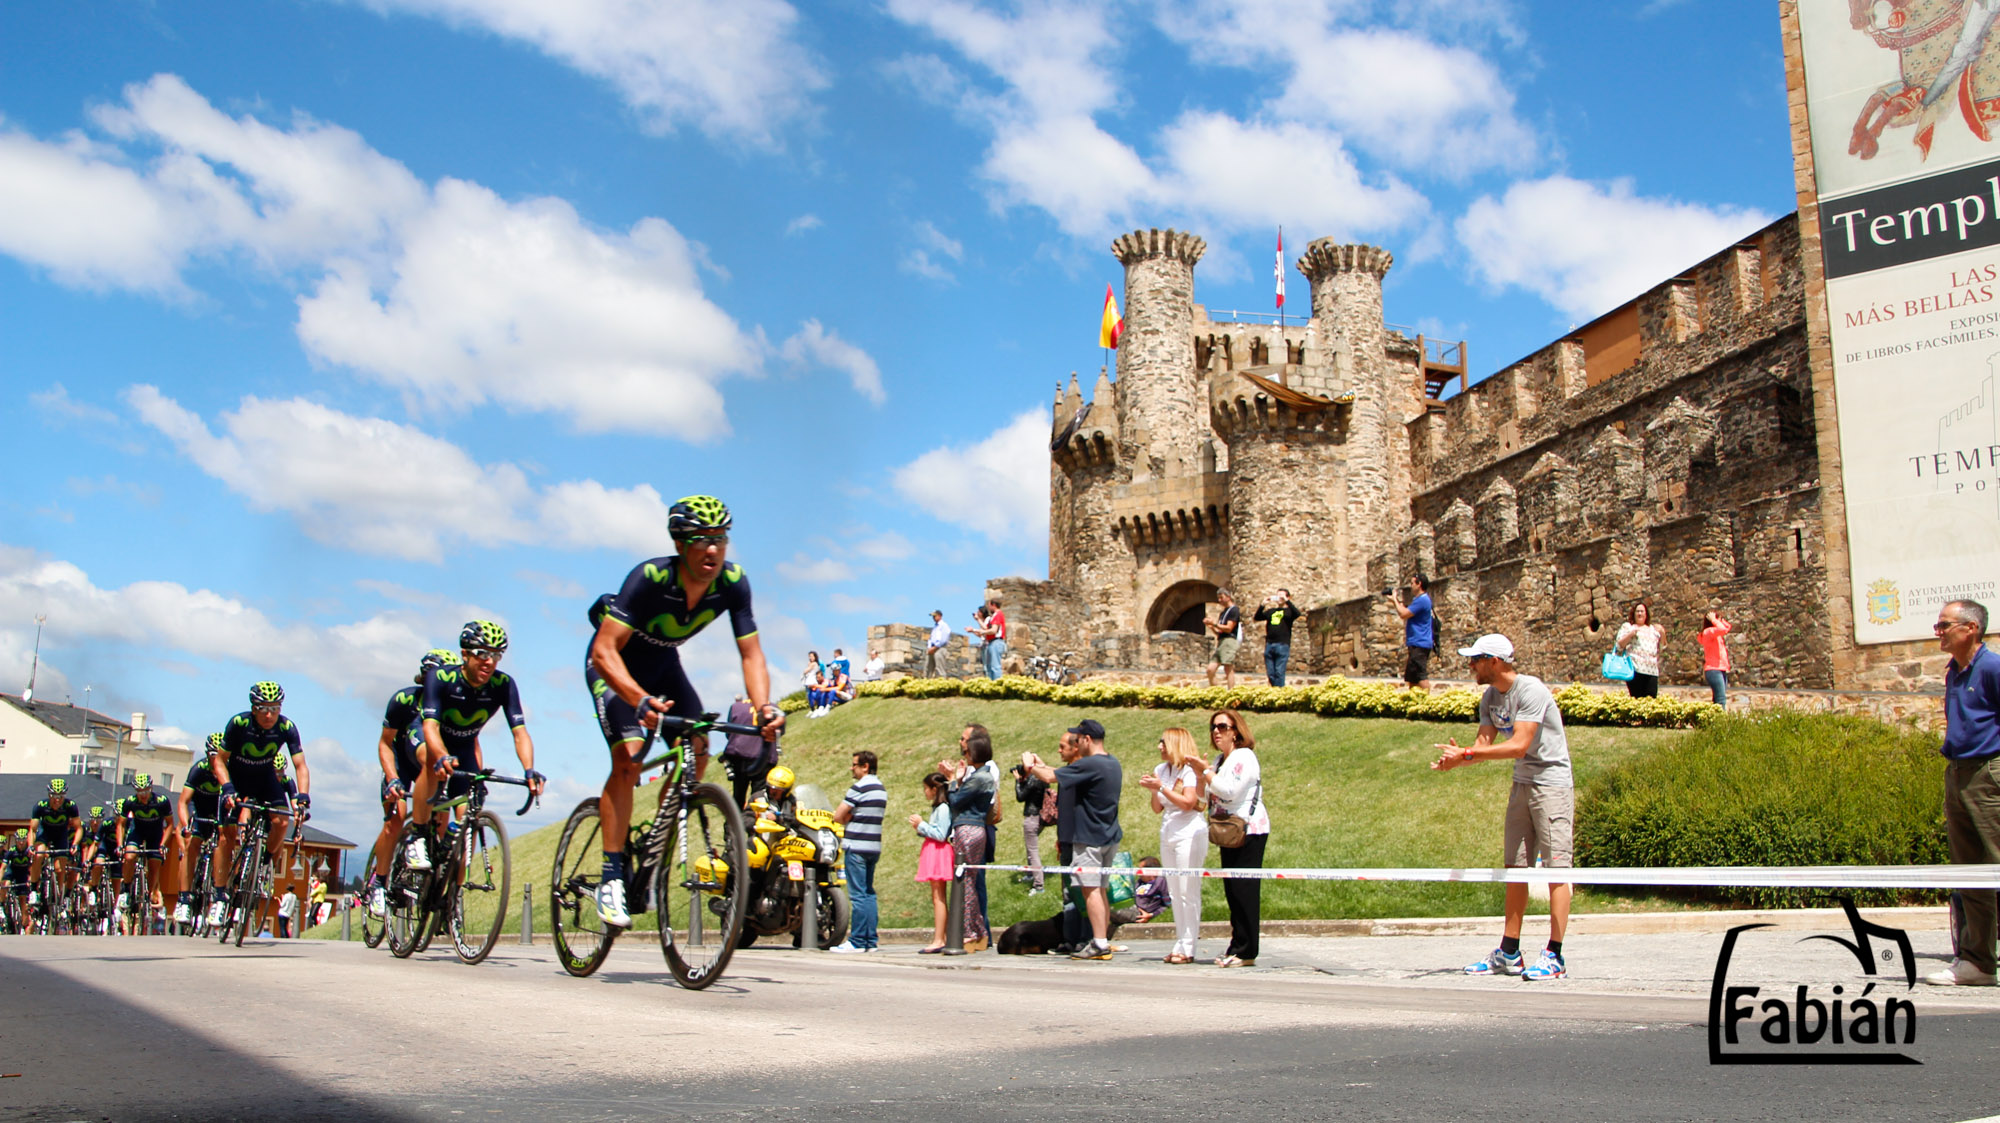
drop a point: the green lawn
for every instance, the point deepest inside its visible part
(1342, 792)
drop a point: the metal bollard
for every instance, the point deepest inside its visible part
(527, 914)
(809, 917)
(954, 916)
(346, 918)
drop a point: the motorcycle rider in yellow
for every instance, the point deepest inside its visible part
(247, 767)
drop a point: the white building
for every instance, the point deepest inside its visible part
(63, 739)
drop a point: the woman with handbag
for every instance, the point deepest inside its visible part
(1180, 796)
(1639, 639)
(1038, 812)
(1240, 826)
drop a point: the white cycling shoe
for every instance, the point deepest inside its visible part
(416, 855)
(378, 903)
(216, 912)
(181, 913)
(611, 904)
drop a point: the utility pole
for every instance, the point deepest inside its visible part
(28, 695)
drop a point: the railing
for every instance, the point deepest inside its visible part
(1237, 316)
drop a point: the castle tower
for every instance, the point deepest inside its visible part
(1161, 407)
(1372, 492)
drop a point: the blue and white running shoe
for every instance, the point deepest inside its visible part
(1497, 962)
(1549, 966)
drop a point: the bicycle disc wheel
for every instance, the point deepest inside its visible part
(408, 919)
(582, 939)
(700, 887)
(479, 909)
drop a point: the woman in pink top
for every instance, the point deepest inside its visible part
(1715, 656)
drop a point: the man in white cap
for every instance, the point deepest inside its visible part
(1519, 721)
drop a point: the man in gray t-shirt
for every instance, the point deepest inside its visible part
(1519, 721)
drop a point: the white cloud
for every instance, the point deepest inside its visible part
(998, 486)
(162, 618)
(56, 402)
(1226, 165)
(731, 68)
(551, 585)
(932, 241)
(853, 605)
(863, 541)
(378, 487)
(814, 571)
(814, 343)
(90, 221)
(524, 305)
(802, 224)
(1585, 247)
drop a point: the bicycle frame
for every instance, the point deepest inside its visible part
(678, 781)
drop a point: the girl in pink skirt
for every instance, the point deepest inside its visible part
(934, 861)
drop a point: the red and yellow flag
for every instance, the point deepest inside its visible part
(1113, 325)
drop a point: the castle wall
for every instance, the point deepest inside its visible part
(1160, 403)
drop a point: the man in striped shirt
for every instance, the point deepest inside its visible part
(862, 809)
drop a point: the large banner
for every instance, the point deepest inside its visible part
(1903, 104)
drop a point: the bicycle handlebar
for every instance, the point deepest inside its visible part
(496, 778)
(707, 723)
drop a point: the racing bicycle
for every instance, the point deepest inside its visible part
(251, 877)
(690, 858)
(469, 878)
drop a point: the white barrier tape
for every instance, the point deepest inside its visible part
(1792, 877)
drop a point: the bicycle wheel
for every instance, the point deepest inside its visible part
(142, 906)
(373, 928)
(243, 890)
(408, 921)
(479, 900)
(700, 887)
(582, 939)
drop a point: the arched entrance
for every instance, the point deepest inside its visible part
(1180, 608)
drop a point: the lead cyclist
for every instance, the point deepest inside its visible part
(634, 666)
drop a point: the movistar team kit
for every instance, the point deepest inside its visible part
(104, 835)
(205, 806)
(252, 754)
(146, 820)
(404, 715)
(653, 604)
(462, 710)
(53, 824)
(19, 862)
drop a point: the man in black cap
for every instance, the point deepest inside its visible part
(1087, 830)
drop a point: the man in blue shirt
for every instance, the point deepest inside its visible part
(1971, 783)
(1419, 632)
(862, 809)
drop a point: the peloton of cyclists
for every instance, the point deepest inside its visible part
(456, 704)
(247, 767)
(634, 660)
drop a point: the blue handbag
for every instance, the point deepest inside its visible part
(1618, 666)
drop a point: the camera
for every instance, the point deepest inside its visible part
(1388, 590)
(1020, 772)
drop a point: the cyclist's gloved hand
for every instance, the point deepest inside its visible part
(399, 789)
(229, 791)
(535, 777)
(305, 801)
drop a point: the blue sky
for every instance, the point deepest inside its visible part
(327, 326)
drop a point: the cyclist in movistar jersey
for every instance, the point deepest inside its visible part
(100, 840)
(58, 831)
(149, 825)
(634, 668)
(198, 809)
(247, 767)
(402, 737)
(456, 704)
(17, 864)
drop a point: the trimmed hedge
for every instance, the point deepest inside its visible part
(1781, 789)
(1337, 697)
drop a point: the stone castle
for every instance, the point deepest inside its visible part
(1669, 450)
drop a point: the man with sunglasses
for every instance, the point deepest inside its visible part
(1519, 721)
(457, 703)
(248, 768)
(1971, 785)
(396, 750)
(196, 811)
(633, 667)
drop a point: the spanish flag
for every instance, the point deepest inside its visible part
(1113, 325)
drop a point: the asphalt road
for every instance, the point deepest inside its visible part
(1370, 1028)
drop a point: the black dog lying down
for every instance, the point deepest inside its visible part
(1036, 937)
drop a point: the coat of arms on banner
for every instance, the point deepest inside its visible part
(1941, 53)
(1885, 603)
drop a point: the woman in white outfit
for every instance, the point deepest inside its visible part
(1180, 795)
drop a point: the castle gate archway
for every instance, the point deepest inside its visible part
(1180, 608)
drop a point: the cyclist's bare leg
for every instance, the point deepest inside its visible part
(225, 852)
(385, 843)
(279, 844)
(614, 809)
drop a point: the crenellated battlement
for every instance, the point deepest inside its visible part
(1142, 245)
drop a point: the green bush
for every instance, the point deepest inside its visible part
(1336, 697)
(1781, 789)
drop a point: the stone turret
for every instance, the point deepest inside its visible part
(1162, 408)
(1372, 490)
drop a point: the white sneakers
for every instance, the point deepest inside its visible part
(846, 947)
(378, 903)
(611, 904)
(216, 912)
(416, 855)
(181, 913)
(1960, 974)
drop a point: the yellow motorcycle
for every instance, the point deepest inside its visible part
(796, 868)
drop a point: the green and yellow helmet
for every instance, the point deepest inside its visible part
(485, 634)
(214, 743)
(97, 812)
(266, 694)
(697, 514)
(142, 782)
(20, 834)
(438, 657)
(58, 786)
